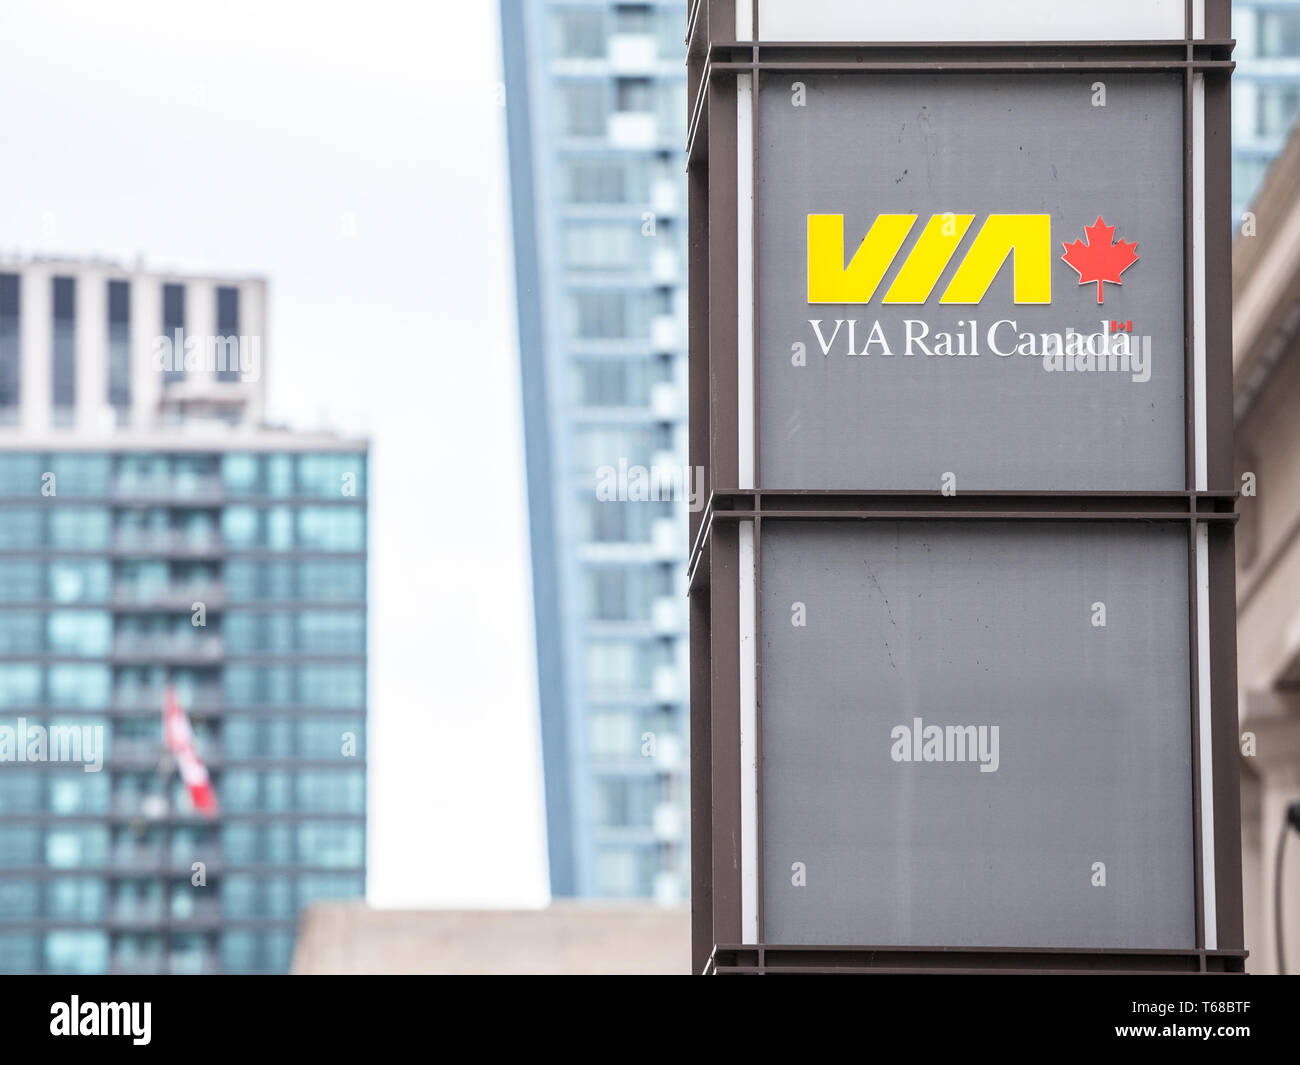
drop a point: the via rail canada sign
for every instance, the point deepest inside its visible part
(1024, 238)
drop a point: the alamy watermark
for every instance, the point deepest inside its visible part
(633, 483)
(25, 742)
(211, 354)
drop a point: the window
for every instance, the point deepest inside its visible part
(1279, 34)
(581, 108)
(228, 328)
(78, 581)
(173, 328)
(314, 887)
(84, 687)
(21, 580)
(81, 476)
(331, 528)
(1248, 174)
(331, 476)
(635, 94)
(240, 474)
(79, 528)
(19, 952)
(604, 246)
(20, 900)
(20, 473)
(327, 581)
(1275, 109)
(21, 791)
(611, 181)
(76, 952)
(88, 633)
(63, 352)
(76, 846)
(75, 898)
(119, 344)
(331, 686)
(596, 315)
(578, 34)
(20, 632)
(623, 872)
(331, 791)
(331, 632)
(239, 527)
(79, 792)
(324, 737)
(10, 358)
(20, 685)
(20, 527)
(330, 844)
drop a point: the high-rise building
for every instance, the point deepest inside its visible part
(596, 118)
(155, 534)
(1265, 90)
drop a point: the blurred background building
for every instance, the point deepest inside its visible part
(1266, 370)
(596, 118)
(1265, 89)
(170, 503)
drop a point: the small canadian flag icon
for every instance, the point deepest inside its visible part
(1099, 257)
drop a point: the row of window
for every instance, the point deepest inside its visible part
(625, 665)
(614, 245)
(279, 528)
(325, 791)
(235, 896)
(79, 580)
(582, 107)
(92, 634)
(63, 339)
(89, 686)
(69, 845)
(99, 475)
(84, 951)
(597, 382)
(583, 32)
(616, 314)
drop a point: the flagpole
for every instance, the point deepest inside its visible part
(164, 928)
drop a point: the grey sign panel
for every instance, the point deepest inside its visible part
(957, 752)
(1077, 148)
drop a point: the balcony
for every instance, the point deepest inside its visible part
(632, 53)
(633, 129)
(197, 488)
(169, 596)
(198, 700)
(667, 685)
(666, 401)
(665, 268)
(665, 334)
(174, 647)
(668, 615)
(166, 542)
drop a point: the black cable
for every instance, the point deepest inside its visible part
(1292, 820)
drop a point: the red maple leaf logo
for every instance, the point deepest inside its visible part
(1100, 259)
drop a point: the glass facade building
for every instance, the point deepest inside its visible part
(179, 546)
(1265, 90)
(595, 102)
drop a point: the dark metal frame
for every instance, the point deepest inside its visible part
(714, 60)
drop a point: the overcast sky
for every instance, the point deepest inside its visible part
(251, 137)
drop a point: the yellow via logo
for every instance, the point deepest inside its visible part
(1027, 238)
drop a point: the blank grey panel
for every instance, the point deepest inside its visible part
(977, 624)
(866, 145)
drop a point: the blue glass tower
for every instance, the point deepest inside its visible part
(595, 100)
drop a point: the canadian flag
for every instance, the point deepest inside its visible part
(178, 738)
